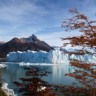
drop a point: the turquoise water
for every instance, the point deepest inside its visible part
(15, 71)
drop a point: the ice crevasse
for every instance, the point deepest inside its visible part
(53, 56)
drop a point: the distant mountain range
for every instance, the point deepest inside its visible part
(23, 44)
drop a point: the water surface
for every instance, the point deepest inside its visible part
(15, 71)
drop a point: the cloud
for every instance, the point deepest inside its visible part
(54, 38)
(13, 11)
(87, 7)
(21, 18)
(26, 17)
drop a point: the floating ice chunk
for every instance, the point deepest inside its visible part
(2, 65)
(8, 91)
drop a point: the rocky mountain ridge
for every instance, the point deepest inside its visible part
(24, 44)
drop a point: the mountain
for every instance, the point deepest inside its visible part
(24, 44)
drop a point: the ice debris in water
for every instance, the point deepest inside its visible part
(2, 65)
(8, 91)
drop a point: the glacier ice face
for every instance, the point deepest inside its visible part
(89, 58)
(54, 56)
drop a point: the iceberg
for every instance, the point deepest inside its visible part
(52, 57)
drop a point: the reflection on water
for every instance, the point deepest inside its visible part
(14, 71)
(59, 72)
(2, 70)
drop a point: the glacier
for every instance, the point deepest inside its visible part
(54, 57)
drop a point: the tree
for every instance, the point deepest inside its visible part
(81, 22)
(85, 73)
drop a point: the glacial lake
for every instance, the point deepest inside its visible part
(14, 71)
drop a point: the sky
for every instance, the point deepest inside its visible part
(22, 18)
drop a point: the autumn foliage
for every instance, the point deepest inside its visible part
(81, 23)
(84, 72)
(33, 85)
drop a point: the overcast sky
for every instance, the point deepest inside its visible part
(21, 18)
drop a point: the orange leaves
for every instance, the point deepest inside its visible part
(85, 73)
(80, 22)
(81, 16)
(77, 91)
(34, 85)
(79, 25)
(81, 64)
